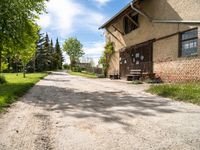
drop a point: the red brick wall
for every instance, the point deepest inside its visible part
(184, 70)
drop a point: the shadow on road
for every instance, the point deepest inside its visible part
(107, 106)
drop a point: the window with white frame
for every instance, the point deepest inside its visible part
(189, 43)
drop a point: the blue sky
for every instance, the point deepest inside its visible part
(80, 19)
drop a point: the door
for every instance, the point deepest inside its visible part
(137, 57)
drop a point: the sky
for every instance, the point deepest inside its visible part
(80, 19)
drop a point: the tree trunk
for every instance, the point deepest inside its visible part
(1, 48)
(34, 65)
(24, 71)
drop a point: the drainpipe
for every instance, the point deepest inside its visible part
(151, 19)
(140, 12)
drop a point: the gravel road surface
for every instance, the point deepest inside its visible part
(64, 112)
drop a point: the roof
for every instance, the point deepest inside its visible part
(117, 15)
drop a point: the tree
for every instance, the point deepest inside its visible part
(59, 55)
(43, 60)
(40, 56)
(106, 57)
(73, 48)
(48, 51)
(30, 37)
(51, 55)
(14, 16)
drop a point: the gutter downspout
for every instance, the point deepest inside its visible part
(140, 12)
(153, 20)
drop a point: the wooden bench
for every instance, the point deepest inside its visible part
(134, 75)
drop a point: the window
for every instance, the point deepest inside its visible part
(189, 43)
(130, 23)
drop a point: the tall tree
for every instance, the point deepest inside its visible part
(59, 55)
(51, 56)
(48, 52)
(42, 54)
(39, 56)
(14, 16)
(30, 37)
(73, 48)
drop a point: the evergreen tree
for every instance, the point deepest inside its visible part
(48, 52)
(42, 59)
(59, 54)
(51, 55)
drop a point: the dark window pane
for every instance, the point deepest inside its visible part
(189, 47)
(189, 34)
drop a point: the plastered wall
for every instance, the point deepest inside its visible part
(163, 50)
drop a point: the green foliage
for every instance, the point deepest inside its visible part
(16, 86)
(2, 79)
(184, 92)
(66, 66)
(15, 15)
(73, 48)
(83, 74)
(77, 69)
(106, 57)
(30, 37)
(137, 82)
(153, 81)
(58, 55)
(4, 66)
(48, 57)
(42, 57)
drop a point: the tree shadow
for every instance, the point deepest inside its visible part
(55, 80)
(107, 106)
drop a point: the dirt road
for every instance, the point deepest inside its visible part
(65, 112)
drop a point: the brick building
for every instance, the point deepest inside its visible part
(158, 36)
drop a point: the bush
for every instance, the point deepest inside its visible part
(153, 81)
(137, 82)
(66, 66)
(2, 79)
(78, 69)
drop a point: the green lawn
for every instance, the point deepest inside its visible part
(184, 92)
(16, 86)
(83, 74)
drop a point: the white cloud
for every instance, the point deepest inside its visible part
(66, 16)
(102, 2)
(94, 50)
(45, 21)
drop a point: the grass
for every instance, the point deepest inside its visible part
(83, 74)
(183, 92)
(16, 86)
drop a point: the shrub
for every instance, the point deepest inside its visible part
(2, 79)
(154, 81)
(66, 66)
(137, 82)
(78, 69)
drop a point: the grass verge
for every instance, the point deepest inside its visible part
(16, 86)
(183, 92)
(83, 74)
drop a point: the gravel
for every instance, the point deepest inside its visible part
(64, 112)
